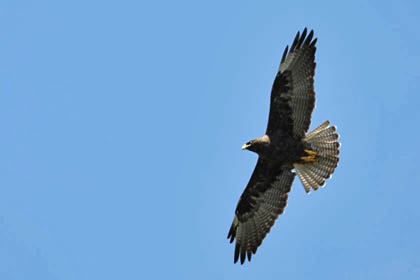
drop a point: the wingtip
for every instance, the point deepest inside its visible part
(243, 256)
(309, 38)
(284, 54)
(236, 256)
(301, 39)
(295, 42)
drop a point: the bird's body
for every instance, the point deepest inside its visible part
(282, 150)
(285, 147)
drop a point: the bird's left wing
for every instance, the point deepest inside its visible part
(263, 200)
(293, 96)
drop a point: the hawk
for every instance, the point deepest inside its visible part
(285, 147)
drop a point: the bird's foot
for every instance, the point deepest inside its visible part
(311, 156)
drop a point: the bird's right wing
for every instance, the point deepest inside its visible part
(263, 200)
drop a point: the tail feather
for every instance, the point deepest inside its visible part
(304, 178)
(319, 181)
(327, 171)
(319, 170)
(323, 141)
(318, 129)
(325, 136)
(330, 162)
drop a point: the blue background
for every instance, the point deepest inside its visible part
(122, 122)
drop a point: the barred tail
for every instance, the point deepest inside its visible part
(322, 159)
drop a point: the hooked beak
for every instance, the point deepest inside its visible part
(246, 146)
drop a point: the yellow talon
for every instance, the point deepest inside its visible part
(311, 153)
(311, 156)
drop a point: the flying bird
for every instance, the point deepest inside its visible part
(285, 147)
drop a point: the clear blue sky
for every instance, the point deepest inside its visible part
(122, 124)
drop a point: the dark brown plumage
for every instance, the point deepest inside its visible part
(284, 147)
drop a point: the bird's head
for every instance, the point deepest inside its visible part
(248, 145)
(257, 145)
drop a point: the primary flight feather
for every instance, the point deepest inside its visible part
(285, 147)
